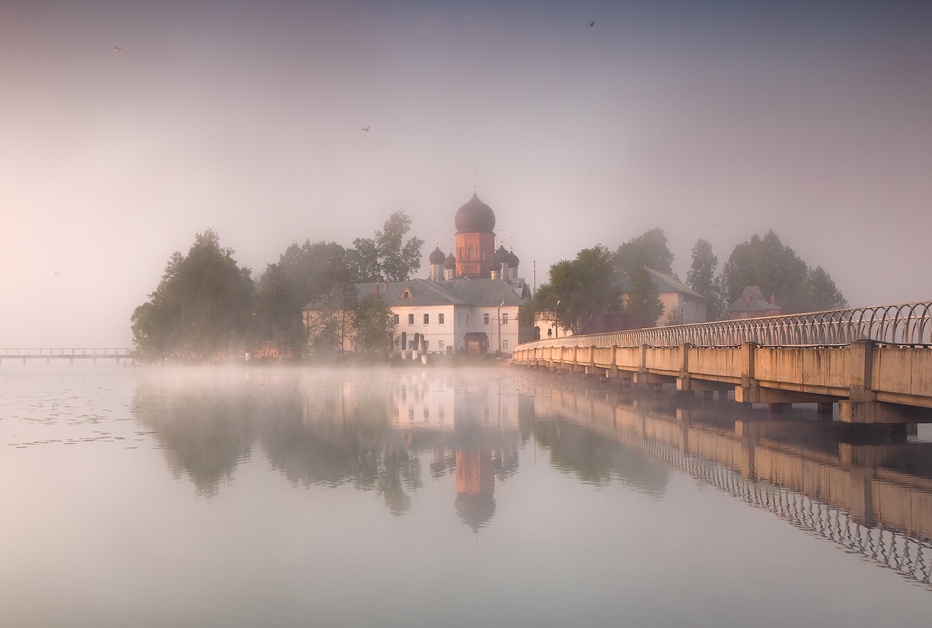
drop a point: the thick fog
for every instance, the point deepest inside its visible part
(129, 126)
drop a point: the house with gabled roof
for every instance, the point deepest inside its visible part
(680, 302)
(752, 304)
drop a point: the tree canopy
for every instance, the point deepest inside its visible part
(643, 296)
(387, 256)
(774, 267)
(648, 249)
(580, 288)
(701, 277)
(303, 274)
(201, 309)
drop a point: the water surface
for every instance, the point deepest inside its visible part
(155, 496)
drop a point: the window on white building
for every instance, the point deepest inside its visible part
(504, 318)
(485, 319)
(504, 344)
(396, 318)
(440, 318)
(440, 346)
(427, 319)
(410, 319)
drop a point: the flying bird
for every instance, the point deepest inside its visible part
(592, 23)
(117, 48)
(365, 129)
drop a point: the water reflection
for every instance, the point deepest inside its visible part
(325, 428)
(867, 488)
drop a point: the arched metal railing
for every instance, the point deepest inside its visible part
(905, 553)
(903, 324)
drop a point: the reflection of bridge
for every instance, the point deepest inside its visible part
(875, 362)
(847, 496)
(70, 354)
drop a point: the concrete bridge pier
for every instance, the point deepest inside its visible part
(749, 433)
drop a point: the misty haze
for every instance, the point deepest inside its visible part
(545, 314)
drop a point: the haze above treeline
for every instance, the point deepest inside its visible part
(128, 127)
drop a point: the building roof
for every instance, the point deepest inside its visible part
(752, 300)
(664, 284)
(422, 292)
(474, 216)
(436, 256)
(605, 323)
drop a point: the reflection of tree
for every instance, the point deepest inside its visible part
(597, 460)
(399, 469)
(316, 428)
(344, 435)
(204, 430)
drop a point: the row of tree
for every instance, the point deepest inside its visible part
(206, 306)
(596, 280)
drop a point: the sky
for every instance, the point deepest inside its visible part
(713, 120)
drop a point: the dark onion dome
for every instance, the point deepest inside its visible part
(450, 262)
(496, 267)
(501, 255)
(437, 256)
(513, 259)
(475, 216)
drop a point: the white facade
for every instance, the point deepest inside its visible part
(444, 327)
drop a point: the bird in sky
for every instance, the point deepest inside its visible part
(117, 48)
(592, 23)
(365, 129)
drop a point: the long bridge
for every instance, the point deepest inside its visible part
(875, 363)
(26, 355)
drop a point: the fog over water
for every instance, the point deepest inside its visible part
(251, 496)
(130, 126)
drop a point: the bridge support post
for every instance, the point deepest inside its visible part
(862, 405)
(749, 432)
(749, 390)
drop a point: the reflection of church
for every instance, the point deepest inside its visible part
(481, 421)
(475, 487)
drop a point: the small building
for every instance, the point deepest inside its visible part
(680, 302)
(751, 304)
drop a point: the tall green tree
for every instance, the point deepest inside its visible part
(643, 296)
(580, 288)
(304, 273)
(777, 269)
(701, 277)
(374, 326)
(822, 292)
(648, 249)
(201, 309)
(277, 314)
(387, 256)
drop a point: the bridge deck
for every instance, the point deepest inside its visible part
(66, 353)
(870, 381)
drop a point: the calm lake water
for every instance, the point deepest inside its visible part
(257, 496)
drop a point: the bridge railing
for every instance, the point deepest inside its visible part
(65, 352)
(903, 324)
